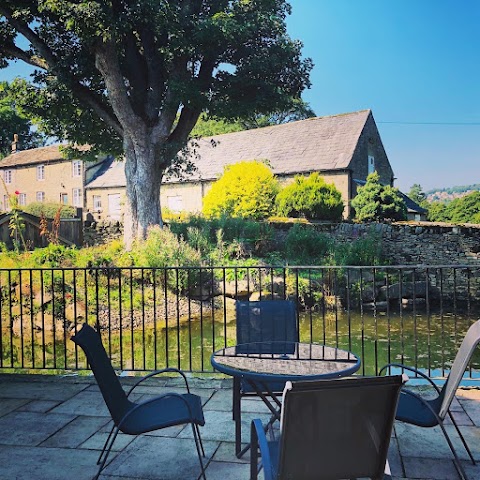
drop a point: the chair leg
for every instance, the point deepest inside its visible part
(197, 438)
(462, 438)
(200, 439)
(254, 456)
(105, 445)
(458, 465)
(107, 452)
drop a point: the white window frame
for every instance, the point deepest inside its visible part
(8, 176)
(175, 203)
(77, 197)
(41, 172)
(97, 203)
(40, 197)
(371, 164)
(77, 168)
(22, 199)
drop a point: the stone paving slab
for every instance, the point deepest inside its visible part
(54, 427)
(33, 463)
(31, 428)
(150, 458)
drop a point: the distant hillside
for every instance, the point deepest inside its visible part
(449, 194)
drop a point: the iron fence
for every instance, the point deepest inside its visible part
(151, 318)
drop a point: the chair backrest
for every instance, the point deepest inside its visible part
(266, 321)
(113, 394)
(462, 359)
(337, 428)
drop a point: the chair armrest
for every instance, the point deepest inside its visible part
(158, 372)
(411, 369)
(258, 439)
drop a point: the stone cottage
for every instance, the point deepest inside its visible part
(342, 148)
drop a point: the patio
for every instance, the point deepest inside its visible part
(53, 427)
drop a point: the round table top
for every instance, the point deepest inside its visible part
(285, 361)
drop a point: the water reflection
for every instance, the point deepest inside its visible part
(428, 342)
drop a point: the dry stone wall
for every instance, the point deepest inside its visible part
(419, 243)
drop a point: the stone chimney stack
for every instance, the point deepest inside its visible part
(15, 143)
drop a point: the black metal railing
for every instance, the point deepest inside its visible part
(154, 318)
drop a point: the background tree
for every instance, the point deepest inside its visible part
(465, 209)
(310, 197)
(13, 120)
(417, 194)
(246, 189)
(375, 201)
(136, 76)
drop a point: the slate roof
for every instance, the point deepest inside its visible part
(35, 155)
(315, 144)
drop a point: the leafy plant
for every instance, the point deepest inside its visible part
(246, 190)
(304, 245)
(377, 202)
(310, 197)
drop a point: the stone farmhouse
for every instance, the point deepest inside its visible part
(343, 148)
(43, 175)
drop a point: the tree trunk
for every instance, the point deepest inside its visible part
(143, 172)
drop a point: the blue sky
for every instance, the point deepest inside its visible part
(409, 61)
(415, 63)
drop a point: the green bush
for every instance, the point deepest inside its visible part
(49, 210)
(310, 197)
(245, 190)
(304, 245)
(375, 201)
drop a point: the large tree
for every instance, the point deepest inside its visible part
(139, 74)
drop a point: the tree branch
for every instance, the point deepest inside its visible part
(106, 61)
(15, 52)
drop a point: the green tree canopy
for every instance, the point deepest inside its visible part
(417, 194)
(310, 197)
(246, 189)
(14, 121)
(465, 209)
(135, 76)
(375, 201)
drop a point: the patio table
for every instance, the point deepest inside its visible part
(262, 364)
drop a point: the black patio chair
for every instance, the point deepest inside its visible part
(261, 321)
(329, 430)
(423, 412)
(137, 418)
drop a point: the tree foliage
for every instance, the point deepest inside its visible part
(135, 76)
(460, 210)
(246, 189)
(417, 194)
(377, 202)
(14, 121)
(310, 197)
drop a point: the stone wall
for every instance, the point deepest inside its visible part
(420, 243)
(98, 233)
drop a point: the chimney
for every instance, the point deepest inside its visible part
(15, 143)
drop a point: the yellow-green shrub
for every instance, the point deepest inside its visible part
(246, 189)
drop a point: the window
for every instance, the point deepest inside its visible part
(40, 172)
(97, 203)
(175, 203)
(77, 168)
(40, 196)
(64, 198)
(6, 203)
(371, 164)
(22, 198)
(8, 176)
(77, 197)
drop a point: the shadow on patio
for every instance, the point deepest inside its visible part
(53, 427)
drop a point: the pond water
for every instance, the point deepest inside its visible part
(429, 342)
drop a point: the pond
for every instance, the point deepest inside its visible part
(429, 342)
